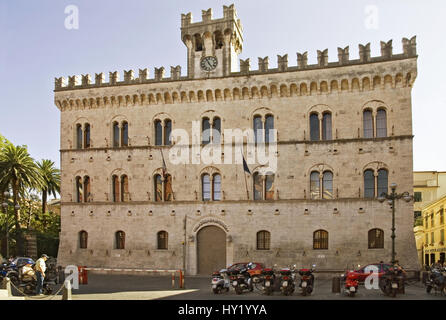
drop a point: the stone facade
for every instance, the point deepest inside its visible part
(291, 94)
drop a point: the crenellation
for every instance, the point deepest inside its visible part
(302, 60)
(99, 78)
(113, 77)
(263, 64)
(73, 81)
(245, 66)
(86, 80)
(410, 46)
(343, 55)
(206, 15)
(159, 73)
(128, 76)
(282, 62)
(386, 49)
(175, 72)
(143, 75)
(364, 53)
(322, 58)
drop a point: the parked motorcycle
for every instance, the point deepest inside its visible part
(351, 283)
(392, 282)
(287, 284)
(25, 279)
(220, 281)
(269, 279)
(306, 280)
(436, 281)
(241, 279)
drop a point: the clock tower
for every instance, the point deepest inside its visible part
(213, 45)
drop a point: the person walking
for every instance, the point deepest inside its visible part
(40, 273)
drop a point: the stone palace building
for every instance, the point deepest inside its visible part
(343, 135)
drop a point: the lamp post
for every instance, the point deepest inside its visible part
(391, 200)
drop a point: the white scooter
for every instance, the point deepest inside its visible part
(220, 281)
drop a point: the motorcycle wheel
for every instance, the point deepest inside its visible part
(238, 290)
(428, 289)
(393, 293)
(215, 291)
(47, 291)
(304, 291)
(351, 294)
(14, 279)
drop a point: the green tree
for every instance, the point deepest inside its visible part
(51, 178)
(18, 171)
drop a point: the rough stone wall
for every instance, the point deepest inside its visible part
(347, 155)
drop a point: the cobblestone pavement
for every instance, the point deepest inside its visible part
(132, 287)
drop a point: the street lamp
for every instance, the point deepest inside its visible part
(391, 200)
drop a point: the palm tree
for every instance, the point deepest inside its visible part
(51, 177)
(18, 171)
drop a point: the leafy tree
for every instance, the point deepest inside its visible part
(51, 177)
(18, 172)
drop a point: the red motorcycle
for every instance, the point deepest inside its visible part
(306, 280)
(351, 283)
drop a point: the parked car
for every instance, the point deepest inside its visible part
(382, 269)
(256, 269)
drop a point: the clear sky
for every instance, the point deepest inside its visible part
(117, 35)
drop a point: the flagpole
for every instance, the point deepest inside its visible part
(244, 175)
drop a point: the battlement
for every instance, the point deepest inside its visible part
(229, 14)
(85, 81)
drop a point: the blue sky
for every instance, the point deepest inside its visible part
(117, 35)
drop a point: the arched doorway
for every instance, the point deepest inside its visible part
(211, 249)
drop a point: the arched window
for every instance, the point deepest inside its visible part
(263, 240)
(326, 126)
(79, 189)
(314, 127)
(79, 136)
(258, 186)
(125, 134)
(320, 240)
(269, 127)
(314, 185)
(115, 134)
(115, 187)
(206, 187)
(258, 129)
(382, 181)
(205, 131)
(367, 123)
(158, 187)
(120, 240)
(216, 130)
(83, 239)
(163, 238)
(168, 192)
(381, 123)
(158, 133)
(87, 191)
(163, 187)
(327, 185)
(87, 136)
(376, 239)
(167, 131)
(216, 187)
(125, 195)
(269, 187)
(369, 184)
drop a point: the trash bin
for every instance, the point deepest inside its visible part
(336, 285)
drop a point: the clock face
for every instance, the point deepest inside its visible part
(209, 63)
